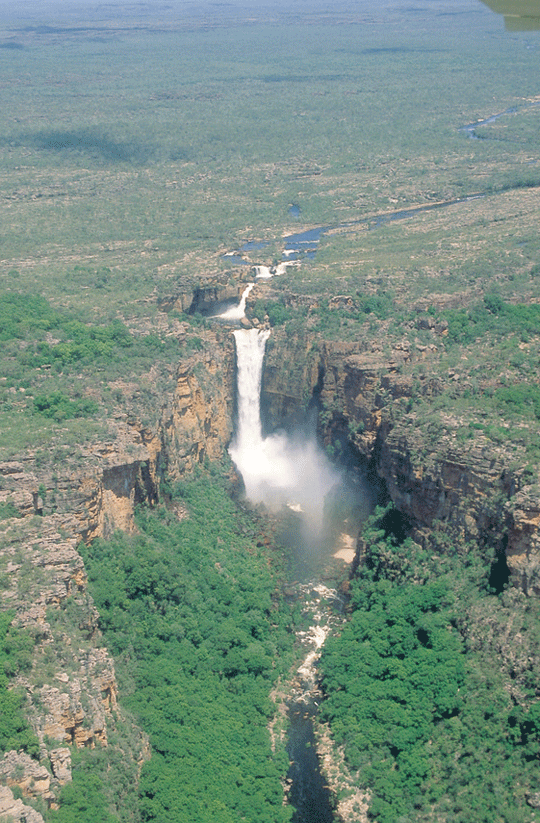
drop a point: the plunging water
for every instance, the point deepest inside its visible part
(238, 311)
(285, 470)
(280, 469)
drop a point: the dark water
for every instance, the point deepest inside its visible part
(255, 245)
(235, 259)
(309, 794)
(314, 576)
(470, 128)
(303, 245)
(403, 214)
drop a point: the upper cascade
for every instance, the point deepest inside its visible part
(239, 311)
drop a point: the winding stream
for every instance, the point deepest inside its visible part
(293, 476)
(304, 245)
(308, 791)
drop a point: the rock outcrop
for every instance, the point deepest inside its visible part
(30, 777)
(196, 425)
(94, 493)
(523, 549)
(80, 495)
(14, 810)
(369, 406)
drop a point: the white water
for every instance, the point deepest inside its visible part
(280, 469)
(239, 311)
(266, 272)
(263, 272)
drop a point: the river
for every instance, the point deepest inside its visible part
(291, 474)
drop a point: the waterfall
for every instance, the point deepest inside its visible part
(248, 445)
(237, 312)
(280, 469)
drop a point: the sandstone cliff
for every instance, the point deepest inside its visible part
(376, 410)
(71, 689)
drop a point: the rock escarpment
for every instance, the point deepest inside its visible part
(94, 492)
(371, 408)
(386, 418)
(13, 809)
(71, 688)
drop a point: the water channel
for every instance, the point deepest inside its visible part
(290, 474)
(303, 245)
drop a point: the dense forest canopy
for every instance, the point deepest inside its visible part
(150, 153)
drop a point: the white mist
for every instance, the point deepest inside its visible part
(280, 469)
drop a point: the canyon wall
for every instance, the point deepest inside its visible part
(367, 413)
(369, 410)
(71, 689)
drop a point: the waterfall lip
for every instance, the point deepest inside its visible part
(238, 311)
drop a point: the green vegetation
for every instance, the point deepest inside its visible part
(432, 719)
(83, 800)
(21, 315)
(58, 406)
(8, 509)
(191, 611)
(27, 316)
(58, 367)
(277, 312)
(15, 656)
(135, 152)
(521, 399)
(493, 316)
(103, 787)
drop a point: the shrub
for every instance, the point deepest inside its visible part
(58, 406)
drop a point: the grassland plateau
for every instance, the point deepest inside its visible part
(140, 146)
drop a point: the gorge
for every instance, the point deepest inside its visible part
(280, 470)
(212, 573)
(459, 492)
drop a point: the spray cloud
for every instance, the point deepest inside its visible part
(280, 469)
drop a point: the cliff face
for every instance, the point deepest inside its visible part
(71, 688)
(523, 550)
(473, 487)
(196, 423)
(95, 494)
(290, 377)
(71, 685)
(368, 407)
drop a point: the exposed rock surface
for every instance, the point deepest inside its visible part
(523, 550)
(71, 689)
(18, 769)
(95, 494)
(203, 296)
(61, 764)
(78, 709)
(15, 811)
(475, 486)
(364, 395)
(41, 569)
